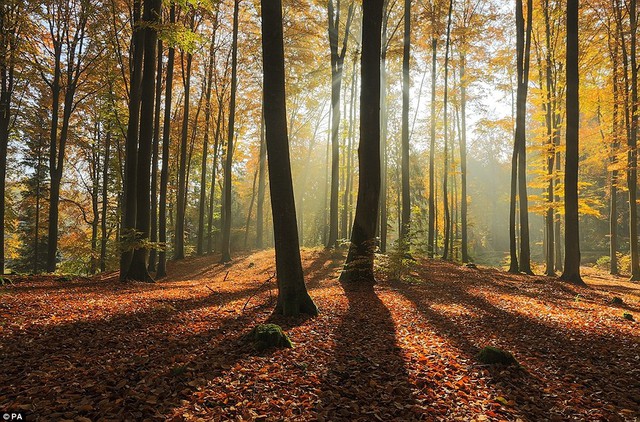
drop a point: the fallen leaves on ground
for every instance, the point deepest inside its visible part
(98, 349)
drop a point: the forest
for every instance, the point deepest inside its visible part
(319, 210)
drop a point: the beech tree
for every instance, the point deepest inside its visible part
(359, 264)
(293, 298)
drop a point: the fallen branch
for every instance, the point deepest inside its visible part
(258, 290)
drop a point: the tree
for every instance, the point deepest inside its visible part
(632, 172)
(519, 160)
(164, 171)
(139, 266)
(226, 192)
(406, 55)
(359, 264)
(445, 177)
(10, 35)
(293, 298)
(572, 239)
(337, 62)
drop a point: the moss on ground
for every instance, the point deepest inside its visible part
(493, 355)
(266, 336)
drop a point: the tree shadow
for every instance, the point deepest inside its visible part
(559, 359)
(367, 379)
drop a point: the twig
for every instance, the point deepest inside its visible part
(258, 290)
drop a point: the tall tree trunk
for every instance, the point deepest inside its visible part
(262, 167)
(164, 171)
(445, 177)
(525, 248)
(406, 197)
(205, 148)
(632, 173)
(613, 182)
(550, 111)
(383, 131)
(5, 116)
(293, 298)
(129, 205)
(431, 245)
(346, 199)
(226, 215)
(105, 201)
(182, 172)
(572, 239)
(463, 160)
(359, 264)
(139, 268)
(337, 61)
(214, 170)
(154, 164)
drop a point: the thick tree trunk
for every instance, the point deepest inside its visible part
(5, 117)
(572, 239)
(613, 183)
(164, 171)
(550, 111)
(129, 205)
(383, 134)
(226, 214)
(359, 264)
(214, 171)
(293, 298)
(139, 268)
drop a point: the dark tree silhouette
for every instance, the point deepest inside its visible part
(359, 264)
(406, 56)
(572, 239)
(293, 298)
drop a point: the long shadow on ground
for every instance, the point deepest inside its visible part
(368, 379)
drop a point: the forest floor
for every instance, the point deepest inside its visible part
(98, 349)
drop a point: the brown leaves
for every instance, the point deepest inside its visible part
(93, 349)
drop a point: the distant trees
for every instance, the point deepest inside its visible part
(293, 298)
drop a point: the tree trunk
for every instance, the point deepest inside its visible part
(226, 214)
(525, 248)
(154, 164)
(572, 239)
(383, 132)
(214, 170)
(406, 197)
(431, 245)
(261, 185)
(164, 171)
(139, 268)
(463, 160)
(359, 264)
(293, 298)
(550, 118)
(205, 148)
(105, 201)
(613, 183)
(337, 60)
(128, 235)
(182, 172)
(632, 173)
(445, 177)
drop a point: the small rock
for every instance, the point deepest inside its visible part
(265, 336)
(617, 301)
(628, 316)
(492, 355)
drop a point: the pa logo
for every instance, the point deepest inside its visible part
(12, 416)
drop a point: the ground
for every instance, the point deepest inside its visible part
(98, 349)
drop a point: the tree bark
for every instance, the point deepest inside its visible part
(139, 267)
(572, 239)
(432, 153)
(445, 177)
(226, 214)
(359, 264)
(406, 197)
(262, 167)
(164, 171)
(154, 164)
(293, 298)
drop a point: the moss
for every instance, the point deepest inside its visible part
(628, 316)
(265, 336)
(492, 355)
(617, 301)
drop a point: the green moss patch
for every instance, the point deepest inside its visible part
(493, 355)
(266, 336)
(617, 301)
(628, 316)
